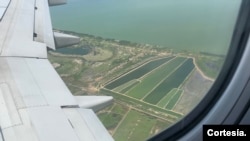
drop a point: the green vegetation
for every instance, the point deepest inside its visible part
(162, 103)
(126, 85)
(173, 81)
(120, 109)
(134, 123)
(67, 65)
(74, 90)
(129, 87)
(174, 99)
(159, 126)
(210, 65)
(171, 115)
(154, 78)
(110, 120)
(113, 116)
(137, 73)
(146, 82)
(135, 127)
(100, 56)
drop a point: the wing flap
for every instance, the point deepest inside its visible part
(9, 114)
(86, 125)
(2, 11)
(52, 86)
(24, 80)
(17, 31)
(4, 3)
(21, 132)
(43, 27)
(37, 82)
(51, 124)
(3, 6)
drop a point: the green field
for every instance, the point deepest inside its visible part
(67, 65)
(162, 103)
(154, 78)
(145, 81)
(113, 117)
(139, 72)
(173, 81)
(210, 65)
(143, 105)
(132, 124)
(171, 103)
(129, 87)
(136, 127)
(126, 124)
(159, 89)
(125, 87)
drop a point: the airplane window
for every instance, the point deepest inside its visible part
(156, 58)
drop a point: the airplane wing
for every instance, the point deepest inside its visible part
(35, 104)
